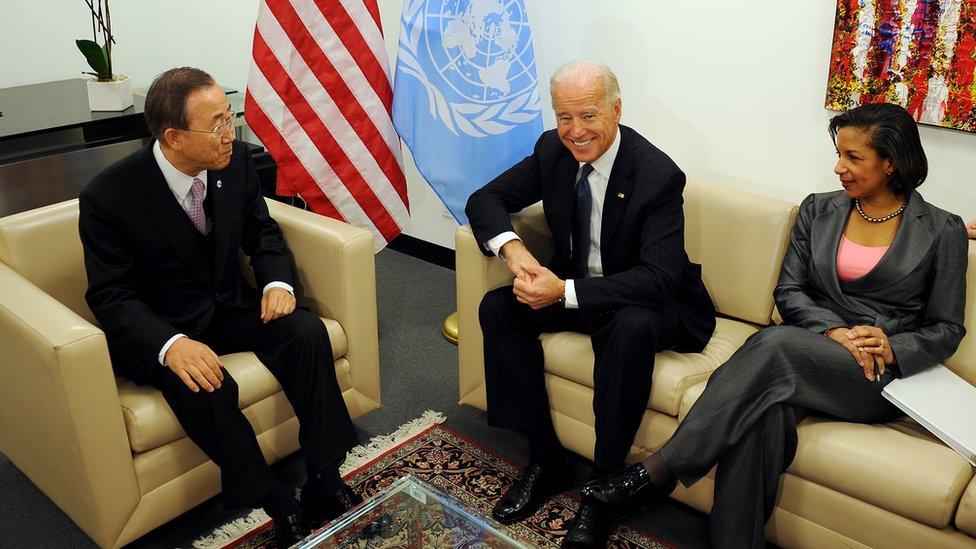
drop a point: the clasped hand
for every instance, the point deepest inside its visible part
(538, 287)
(534, 285)
(868, 345)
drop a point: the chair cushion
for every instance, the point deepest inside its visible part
(966, 515)
(150, 423)
(739, 239)
(895, 466)
(570, 355)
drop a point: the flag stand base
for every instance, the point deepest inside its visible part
(449, 329)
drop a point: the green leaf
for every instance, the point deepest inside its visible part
(96, 57)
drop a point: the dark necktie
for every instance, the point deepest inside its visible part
(581, 222)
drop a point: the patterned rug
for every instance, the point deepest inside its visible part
(469, 472)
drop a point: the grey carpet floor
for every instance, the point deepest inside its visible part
(418, 372)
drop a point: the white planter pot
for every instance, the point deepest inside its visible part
(110, 96)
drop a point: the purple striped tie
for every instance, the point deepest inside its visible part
(197, 215)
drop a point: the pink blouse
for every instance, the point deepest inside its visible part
(855, 260)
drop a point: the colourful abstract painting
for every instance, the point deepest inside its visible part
(920, 54)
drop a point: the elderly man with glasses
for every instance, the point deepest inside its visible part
(161, 230)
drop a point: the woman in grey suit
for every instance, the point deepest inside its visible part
(872, 288)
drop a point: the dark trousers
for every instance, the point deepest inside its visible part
(297, 351)
(745, 422)
(624, 346)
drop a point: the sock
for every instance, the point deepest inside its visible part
(657, 470)
(544, 447)
(279, 504)
(325, 481)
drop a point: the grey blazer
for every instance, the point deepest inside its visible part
(916, 293)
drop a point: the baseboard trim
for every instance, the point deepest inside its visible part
(421, 249)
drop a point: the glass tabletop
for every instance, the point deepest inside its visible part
(412, 513)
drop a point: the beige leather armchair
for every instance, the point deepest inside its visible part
(110, 453)
(851, 485)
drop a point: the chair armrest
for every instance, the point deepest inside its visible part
(476, 275)
(59, 409)
(337, 280)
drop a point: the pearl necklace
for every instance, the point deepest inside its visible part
(866, 217)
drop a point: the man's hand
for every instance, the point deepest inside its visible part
(276, 303)
(518, 257)
(540, 288)
(971, 229)
(195, 363)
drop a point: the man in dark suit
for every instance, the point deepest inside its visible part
(620, 273)
(161, 231)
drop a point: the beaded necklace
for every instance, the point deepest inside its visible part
(882, 219)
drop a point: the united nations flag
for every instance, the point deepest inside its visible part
(466, 96)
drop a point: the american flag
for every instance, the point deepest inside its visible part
(319, 98)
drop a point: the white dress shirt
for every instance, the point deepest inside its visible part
(180, 183)
(598, 180)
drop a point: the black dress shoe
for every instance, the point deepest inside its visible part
(624, 488)
(289, 530)
(320, 508)
(534, 485)
(591, 528)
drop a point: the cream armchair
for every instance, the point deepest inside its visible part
(110, 453)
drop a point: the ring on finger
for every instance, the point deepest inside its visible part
(881, 344)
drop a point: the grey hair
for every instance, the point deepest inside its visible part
(578, 70)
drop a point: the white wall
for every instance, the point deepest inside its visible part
(733, 91)
(38, 39)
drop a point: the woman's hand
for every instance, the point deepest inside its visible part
(863, 359)
(873, 341)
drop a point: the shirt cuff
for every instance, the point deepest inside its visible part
(169, 343)
(570, 295)
(495, 244)
(278, 284)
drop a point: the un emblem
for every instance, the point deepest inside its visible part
(475, 60)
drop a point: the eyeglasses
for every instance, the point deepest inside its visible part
(226, 126)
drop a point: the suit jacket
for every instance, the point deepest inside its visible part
(641, 235)
(147, 276)
(915, 294)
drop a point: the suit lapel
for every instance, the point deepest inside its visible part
(619, 188)
(221, 221)
(910, 246)
(825, 232)
(162, 209)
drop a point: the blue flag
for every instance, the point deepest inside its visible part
(466, 96)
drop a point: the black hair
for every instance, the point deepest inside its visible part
(166, 99)
(893, 135)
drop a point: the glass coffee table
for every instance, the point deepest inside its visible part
(412, 513)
